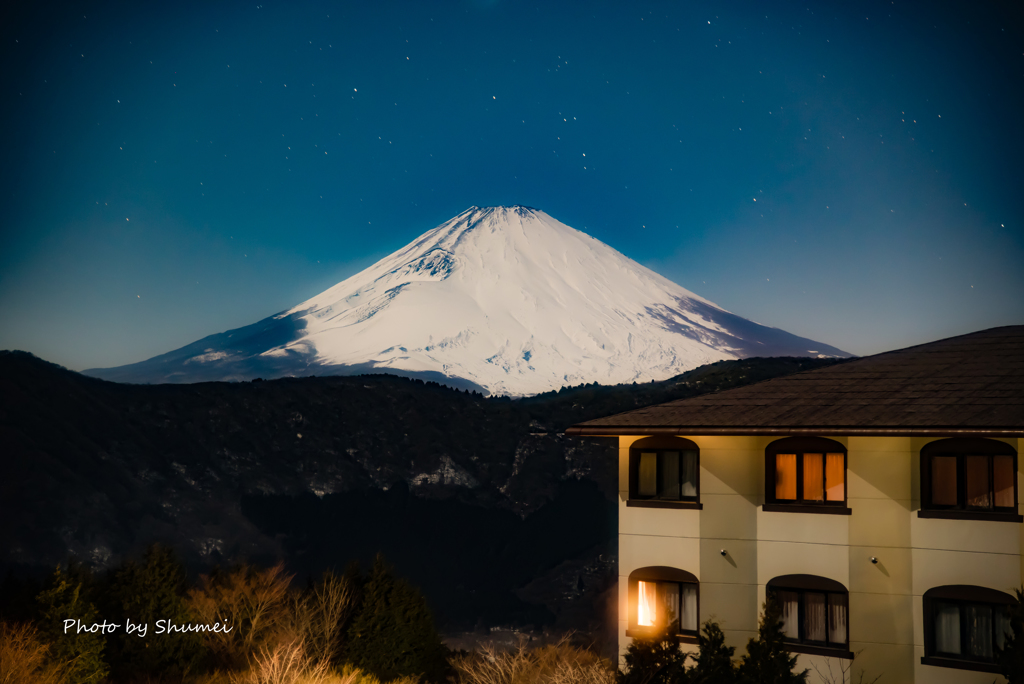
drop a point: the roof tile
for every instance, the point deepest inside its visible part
(971, 381)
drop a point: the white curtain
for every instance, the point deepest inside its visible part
(789, 601)
(947, 627)
(669, 601)
(688, 618)
(837, 604)
(689, 473)
(814, 617)
(646, 606)
(670, 475)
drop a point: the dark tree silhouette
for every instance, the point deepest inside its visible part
(654, 659)
(1011, 655)
(145, 593)
(65, 597)
(393, 633)
(767, 661)
(714, 661)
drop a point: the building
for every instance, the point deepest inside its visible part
(877, 499)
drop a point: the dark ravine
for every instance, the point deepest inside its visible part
(483, 502)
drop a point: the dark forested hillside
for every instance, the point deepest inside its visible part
(517, 519)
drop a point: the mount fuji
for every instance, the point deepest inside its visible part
(505, 300)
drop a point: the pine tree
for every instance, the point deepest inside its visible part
(767, 661)
(392, 634)
(1011, 656)
(79, 654)
(654, 659)
(144, 593)
(714, 661)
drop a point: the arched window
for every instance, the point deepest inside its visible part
(806, 475)
(815, 614)
(969, 479)
(664, 472)
(963, 625)
(663, 598)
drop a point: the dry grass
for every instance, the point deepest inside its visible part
(215, 677)
(24, 657)
(353, 675)
(561, 663)
(289, 664)
(284, 664)
(268, 617)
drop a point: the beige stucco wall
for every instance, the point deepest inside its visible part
(914, 554)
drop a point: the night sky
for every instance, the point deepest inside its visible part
(849, 172)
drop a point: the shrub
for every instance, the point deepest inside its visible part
(289, 664)
(353, 675)
(283, 664)
(254, 603)
(490, 666)
(561, 663)
(564, 663)
(24, 657)
(214, 677)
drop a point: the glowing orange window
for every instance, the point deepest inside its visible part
(785, 477)
(805, 471)
(835, 477)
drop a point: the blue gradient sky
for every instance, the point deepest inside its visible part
(176, 170)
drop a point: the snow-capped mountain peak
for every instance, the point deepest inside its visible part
(506, 299)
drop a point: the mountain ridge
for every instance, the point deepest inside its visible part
(263, 471)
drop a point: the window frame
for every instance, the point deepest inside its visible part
(963, 595)
(961, 448)
(660, 444)
(815, 584)
(660, 574)
(801, 446)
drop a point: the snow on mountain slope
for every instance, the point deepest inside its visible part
(505, 299)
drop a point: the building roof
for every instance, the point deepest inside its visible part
(967, 385)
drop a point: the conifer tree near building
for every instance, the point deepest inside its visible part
(767, 661)
(393, 634)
